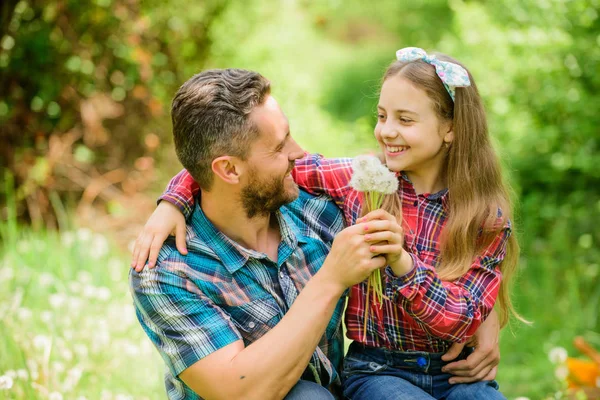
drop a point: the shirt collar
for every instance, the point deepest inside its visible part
(232, 254)
(437, 196)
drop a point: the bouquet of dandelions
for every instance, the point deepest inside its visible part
(376, 182)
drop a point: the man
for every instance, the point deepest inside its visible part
(253, 310)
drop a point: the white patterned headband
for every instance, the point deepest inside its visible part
(452, 75)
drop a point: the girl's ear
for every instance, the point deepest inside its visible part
(227, 168)
(448, 134)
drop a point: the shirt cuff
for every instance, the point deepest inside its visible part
(407, 284)
(179, 201)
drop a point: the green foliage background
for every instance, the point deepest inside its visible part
(536, 64)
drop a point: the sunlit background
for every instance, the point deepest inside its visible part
(85, 90)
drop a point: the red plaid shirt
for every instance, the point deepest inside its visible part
(422, 312)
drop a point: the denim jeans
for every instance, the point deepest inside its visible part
(306, 390)
(381, 374)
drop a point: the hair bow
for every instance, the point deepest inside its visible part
(451, 74)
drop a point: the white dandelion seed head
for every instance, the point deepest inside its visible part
(369, 175)
(46, 279)
(84, 235)
(46, 316)
(557, 355)
(41, 342)
(55, 396)
(11, 374)
(6, 382)
(6, 274)
(23, 374)
(561, 372)
(103, 293)
(522, 398)
(24, 314)
(57, 300)
(67, 239)
(99, 246)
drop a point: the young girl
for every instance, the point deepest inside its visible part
(459, 254)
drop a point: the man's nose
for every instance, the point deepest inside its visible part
(297, 152)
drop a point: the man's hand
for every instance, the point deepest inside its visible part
(350, 260)
(482, 364)
(164, 220)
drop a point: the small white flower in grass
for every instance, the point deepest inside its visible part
(67, 239)
(84, 235)
(99, 247)
(84, 277)
(23, 374)
(41, 342)
(57, 300)
(103, 293)
(561, 372)
(522, 398)
(46, 279)
(81, 350)
(55, 396)
(6, 274)
(11, 374)
(557, 355)
(24, 314)
(74, 286)
(6, 382)
(89, 291)
(57, 367)
(46, 316)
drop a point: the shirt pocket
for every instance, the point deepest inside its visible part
(255, 318)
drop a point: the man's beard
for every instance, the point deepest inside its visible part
(262, 197)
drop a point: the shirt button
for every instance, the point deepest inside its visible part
(415, 203)
(251, 325)
(281, 274)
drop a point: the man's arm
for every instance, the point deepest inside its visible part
(208, 355)
(271, 366)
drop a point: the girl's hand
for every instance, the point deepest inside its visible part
(166, 219)
(387, 237)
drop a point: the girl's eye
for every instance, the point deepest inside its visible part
(406, 121)
(380, 116)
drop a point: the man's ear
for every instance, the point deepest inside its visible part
(227, 168)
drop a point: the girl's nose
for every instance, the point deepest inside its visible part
(388, 131)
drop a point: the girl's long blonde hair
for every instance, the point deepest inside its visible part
(475, 184)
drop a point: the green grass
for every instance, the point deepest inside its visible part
(67, 322)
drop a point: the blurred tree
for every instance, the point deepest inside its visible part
(68, 72)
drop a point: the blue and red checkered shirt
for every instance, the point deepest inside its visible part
(220, 292)
(422, 312)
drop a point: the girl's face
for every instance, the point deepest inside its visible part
(409, 131)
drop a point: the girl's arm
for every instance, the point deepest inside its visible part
(169, 216)
(313, 173)
(319, 175)
(181, 192)
(451, 310)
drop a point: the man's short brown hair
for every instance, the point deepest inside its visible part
(210, 114)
